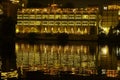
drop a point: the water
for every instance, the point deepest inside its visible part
(81, 58)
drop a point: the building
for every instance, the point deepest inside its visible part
(81, 21)
(110, 16)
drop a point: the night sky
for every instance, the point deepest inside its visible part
(76, 3)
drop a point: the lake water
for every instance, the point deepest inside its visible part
(79, 57)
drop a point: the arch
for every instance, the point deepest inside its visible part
(26, 30)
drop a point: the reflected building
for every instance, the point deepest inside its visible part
(83, 21)
(107, 58)
(55, 57)
(79, 58)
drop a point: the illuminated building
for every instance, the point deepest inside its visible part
(82, 21)
(110, 16)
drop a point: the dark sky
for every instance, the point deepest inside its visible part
(76, 3)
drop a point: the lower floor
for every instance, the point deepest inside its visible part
(81, 30)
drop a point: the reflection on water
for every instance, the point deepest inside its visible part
(79, 58)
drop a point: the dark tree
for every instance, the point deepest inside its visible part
(118, 26)
(110, 31)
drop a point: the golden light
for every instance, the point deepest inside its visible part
(106, 30)
(15, 1)
(118, 68)
(1, 11)
(17, 30)
(104, 50)
(105, 8)
(119, 12)
(45, 10)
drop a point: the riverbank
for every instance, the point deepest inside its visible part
(63, 37)
(64, 77)
(60, 36)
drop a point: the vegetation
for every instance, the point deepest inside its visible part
(113, 35)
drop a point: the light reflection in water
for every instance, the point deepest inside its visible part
(81, 58)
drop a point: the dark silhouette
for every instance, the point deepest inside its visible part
(7, 43)
(62, 38)
(99, 71)
(19, 73)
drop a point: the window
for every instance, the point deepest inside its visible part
(78, 23)
(19, 22)
(51, 22)
(37, 22)
(57, 23)
(31, 16)
(25, 16)
(64, 23)
(44, 23)
(92, 23)
(51, 16)
(57, 16)
(85, 23)
(71, 23)
(44, 16)
(38, 16)
(70, 16)
(64, 16)
(19, 16)
(92, 16)
(84, 16)
(77, 16)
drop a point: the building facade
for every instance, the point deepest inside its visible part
(110, 17)
(83, 21)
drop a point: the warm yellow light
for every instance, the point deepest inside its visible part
(118, 68)
(104, 50)
(85, 16)
(16, 47)
(1, 11)
(17, 30)
(106, 30)
(119, 12)
(15, 1)
(105, 8)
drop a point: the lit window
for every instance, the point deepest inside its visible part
(71, 23)
(71, 17)
(77, 16)
(92, 17)
(44, 16)
(38, 16)
(85, 17)
(51, 16)
(57, 16)
(31, 16)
